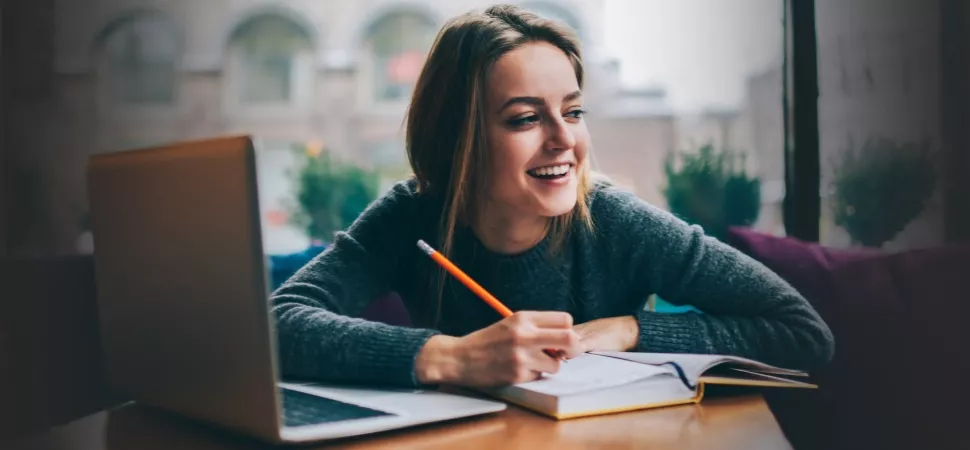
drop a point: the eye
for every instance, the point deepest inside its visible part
(523, 121)
(577, 113)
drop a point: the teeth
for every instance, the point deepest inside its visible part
(552, 170)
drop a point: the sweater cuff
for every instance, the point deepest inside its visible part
(670, 333)
(389, 357)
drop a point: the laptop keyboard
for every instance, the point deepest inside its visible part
(300, 409)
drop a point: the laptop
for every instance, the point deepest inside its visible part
(184, 306)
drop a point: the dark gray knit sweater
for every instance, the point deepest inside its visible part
(635, 250)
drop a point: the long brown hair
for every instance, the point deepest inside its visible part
(445, 121)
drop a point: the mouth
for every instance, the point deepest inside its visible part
(551, 172)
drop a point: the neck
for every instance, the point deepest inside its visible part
(508, 233)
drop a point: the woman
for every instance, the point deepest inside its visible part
(502, 186)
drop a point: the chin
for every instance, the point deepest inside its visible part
(559, 204)
(552, 198)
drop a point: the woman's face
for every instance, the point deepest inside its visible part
(537, 138)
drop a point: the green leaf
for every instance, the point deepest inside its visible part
(710, 188)
(881, 187)
(330, 194)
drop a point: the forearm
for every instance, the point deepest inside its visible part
(796, 339)
(319, 334)
(318, 344)
(318, 330)
(748, 310)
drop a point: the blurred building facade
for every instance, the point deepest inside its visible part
(117, 74)
(336, 75)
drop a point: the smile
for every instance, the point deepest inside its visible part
(550, 172)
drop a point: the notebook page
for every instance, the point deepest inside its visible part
(692, 364)
(591, 372)
(695, 364)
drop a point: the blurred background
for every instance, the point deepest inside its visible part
(689, 104)
(686, 101)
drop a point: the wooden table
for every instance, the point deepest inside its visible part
(741, 422)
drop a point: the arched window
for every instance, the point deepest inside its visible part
(138, 59)
(552, 11)
(396, 46)
(271, 61)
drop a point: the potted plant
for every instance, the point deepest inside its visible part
(330, 194)
(711, 189)
(881, 187)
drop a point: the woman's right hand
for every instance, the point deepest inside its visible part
(507, 352)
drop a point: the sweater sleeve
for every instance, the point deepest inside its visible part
(747, 310)
(317, 336)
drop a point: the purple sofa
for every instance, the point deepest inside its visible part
(902, 363)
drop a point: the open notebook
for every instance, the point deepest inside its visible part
(606, 382)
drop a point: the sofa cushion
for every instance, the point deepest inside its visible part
(897, 319)
(807, 266)
(901, 337)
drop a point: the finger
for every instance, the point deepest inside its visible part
(587, 343)
(566, 341)
(526, 376)
(572, 352)
(548, 319)
(542, 362)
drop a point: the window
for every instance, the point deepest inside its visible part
(397, 45)
(272, 61)
(139, 60)
(880, 135)
(693, 117)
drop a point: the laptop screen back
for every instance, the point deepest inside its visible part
(181, 281)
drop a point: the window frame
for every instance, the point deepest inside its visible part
(955, 82)
(800, 94)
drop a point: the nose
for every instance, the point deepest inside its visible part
(559, 136)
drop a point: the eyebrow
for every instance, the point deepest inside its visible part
(536, 101)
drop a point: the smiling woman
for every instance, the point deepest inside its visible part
(498, 143)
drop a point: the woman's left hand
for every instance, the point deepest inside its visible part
(613, 334)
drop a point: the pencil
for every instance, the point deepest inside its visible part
(475, 287)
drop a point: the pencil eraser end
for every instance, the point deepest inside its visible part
(425, 247)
